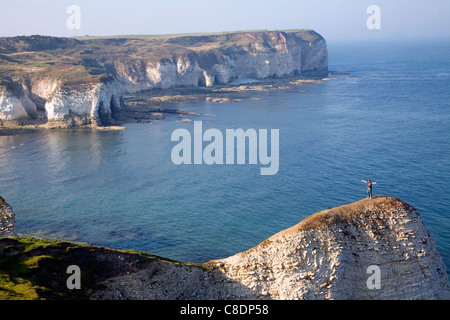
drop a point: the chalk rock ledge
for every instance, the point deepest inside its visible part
(370, 249)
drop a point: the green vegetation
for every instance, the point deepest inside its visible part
(17, 279)
(16, 289)
(33, 269)
(166, 36)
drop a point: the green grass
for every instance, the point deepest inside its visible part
(31, 243)
(16, 279)
(296, 30)
(164, 36)
(17, 288)
(21, 274)
(177, 35)
(32, 268)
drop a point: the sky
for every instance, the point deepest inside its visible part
(336, 20)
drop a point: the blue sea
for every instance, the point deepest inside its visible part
(384, 116)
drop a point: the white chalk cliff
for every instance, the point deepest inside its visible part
(370, 249)
(15, 105)
(258, 56)
(68, 98)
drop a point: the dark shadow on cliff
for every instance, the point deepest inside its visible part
(32, 268)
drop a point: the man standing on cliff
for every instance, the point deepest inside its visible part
(369, 187)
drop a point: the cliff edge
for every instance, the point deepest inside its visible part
(370, 249)
(7, 219)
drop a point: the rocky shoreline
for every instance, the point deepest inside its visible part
(150, 105)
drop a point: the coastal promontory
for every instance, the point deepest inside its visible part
(68, 82)
(371, 249)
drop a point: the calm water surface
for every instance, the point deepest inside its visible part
(386, 119)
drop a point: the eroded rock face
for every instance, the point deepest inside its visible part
(249, 56)
(84, 104)
(88, 90)
(15, 106)
(370, 249)
(7, 220)
(329, 255)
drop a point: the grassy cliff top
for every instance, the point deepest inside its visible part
(85, 59)
(34, 269)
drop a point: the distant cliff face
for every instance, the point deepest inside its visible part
(86, 104)
(59, 104)
(69, 82)
(222, 59)
(371, 249)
